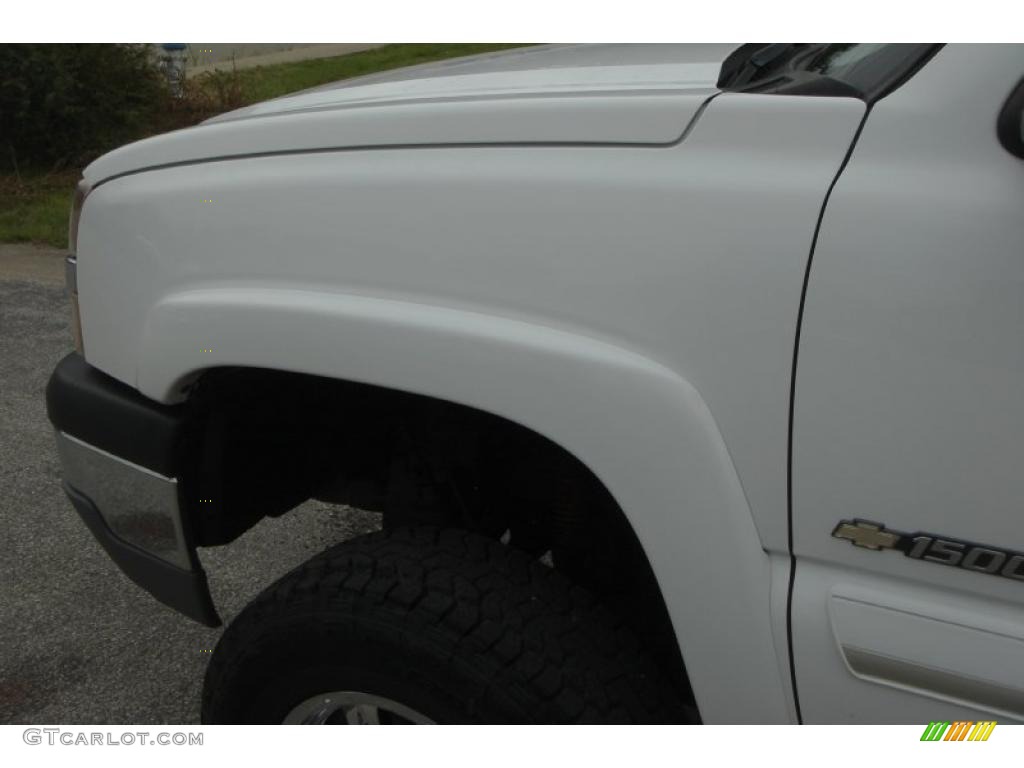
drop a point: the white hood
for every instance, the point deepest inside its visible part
(632, 94)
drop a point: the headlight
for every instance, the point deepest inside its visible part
(71, 269)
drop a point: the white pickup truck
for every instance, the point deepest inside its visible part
(689, 381)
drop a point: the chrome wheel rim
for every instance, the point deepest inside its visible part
(353, 708)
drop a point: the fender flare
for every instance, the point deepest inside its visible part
(641, 428)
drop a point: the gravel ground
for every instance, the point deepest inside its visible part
(79, 643)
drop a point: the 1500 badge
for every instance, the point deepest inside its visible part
(935, 549)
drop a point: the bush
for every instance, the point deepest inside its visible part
(203, 96)
(67, 104)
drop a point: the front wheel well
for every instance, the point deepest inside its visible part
(262, 441)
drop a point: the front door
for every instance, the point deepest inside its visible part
(909, 413)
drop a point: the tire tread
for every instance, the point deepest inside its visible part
(521, 624)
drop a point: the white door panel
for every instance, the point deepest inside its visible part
(910, 397)
(869, 651)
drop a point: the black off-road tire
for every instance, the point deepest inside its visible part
(455, 626)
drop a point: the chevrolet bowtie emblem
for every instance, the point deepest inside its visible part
(862, 533)
(933, 548)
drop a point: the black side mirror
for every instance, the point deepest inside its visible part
(1010, 125)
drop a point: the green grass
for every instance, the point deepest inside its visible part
(261, 83)
(34, 207)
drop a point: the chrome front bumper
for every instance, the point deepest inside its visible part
(138, 505)
(121, 456)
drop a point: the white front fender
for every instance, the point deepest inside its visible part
(642, 429)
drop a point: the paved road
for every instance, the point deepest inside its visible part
(79, 643)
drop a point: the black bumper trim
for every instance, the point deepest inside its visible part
(184, 591)
(97, 409)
